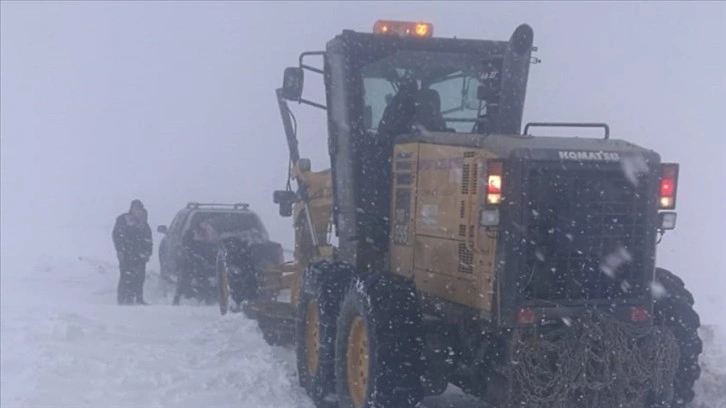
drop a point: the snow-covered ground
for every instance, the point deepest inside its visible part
(65, 343)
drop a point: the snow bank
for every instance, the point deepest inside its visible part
(711, 387)
(66, 343)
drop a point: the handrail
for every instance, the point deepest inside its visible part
(565, 124)
(310, 67)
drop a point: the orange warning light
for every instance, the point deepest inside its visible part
(403, 28)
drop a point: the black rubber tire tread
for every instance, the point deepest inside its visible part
(675, 311)
(390, 310)
(326, 282)
(669, 280)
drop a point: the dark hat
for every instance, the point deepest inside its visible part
(137, 203)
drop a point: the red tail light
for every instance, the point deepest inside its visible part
(639, 314)
(495, 173)
(668, 186)
(525, 316)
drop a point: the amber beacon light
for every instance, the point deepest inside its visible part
(403, 28)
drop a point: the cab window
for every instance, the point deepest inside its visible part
(442, 86)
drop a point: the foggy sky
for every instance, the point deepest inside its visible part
(103, 102)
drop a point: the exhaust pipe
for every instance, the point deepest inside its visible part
(514, 73)
(522, 39)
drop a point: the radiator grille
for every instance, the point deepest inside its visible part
(474, 177)
(466, 259)
(465, 179)
(585, 230)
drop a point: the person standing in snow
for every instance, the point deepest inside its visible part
(133, 242)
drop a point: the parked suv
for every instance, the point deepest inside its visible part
(188, 251)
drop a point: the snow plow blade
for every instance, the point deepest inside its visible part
(276, 320)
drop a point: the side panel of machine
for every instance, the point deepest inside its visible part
(444, 249)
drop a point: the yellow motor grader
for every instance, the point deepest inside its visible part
(520, 268)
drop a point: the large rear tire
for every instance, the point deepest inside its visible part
(379, 345)
(675, 310)
(322, 289)
(313, 351)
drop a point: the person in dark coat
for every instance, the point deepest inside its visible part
(134, 245)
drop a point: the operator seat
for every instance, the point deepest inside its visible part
(427, 112)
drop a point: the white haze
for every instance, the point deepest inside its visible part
(103, 102)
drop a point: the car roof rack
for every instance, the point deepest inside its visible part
(237, 206)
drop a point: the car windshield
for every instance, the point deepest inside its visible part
(441, 86)
(230, 222)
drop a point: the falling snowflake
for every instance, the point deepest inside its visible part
(658, 291)
(625, 286)
(614, 261)
(633, 167)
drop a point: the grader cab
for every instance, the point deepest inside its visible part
(517, 267)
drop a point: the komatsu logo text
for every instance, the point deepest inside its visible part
(590, 156)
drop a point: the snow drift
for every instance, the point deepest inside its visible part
(66, 343)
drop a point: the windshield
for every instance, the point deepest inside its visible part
(433, 90)
(229, 222)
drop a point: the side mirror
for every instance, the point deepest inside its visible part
(284, 199)
(161, 229)
(292, 83)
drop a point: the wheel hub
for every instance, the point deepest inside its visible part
(357, 361)
(312, 336)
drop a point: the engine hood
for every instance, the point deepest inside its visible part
(539, 147)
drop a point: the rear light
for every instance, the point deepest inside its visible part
(638, 314)
(525, 316)
(495, 173)
(668, 186)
